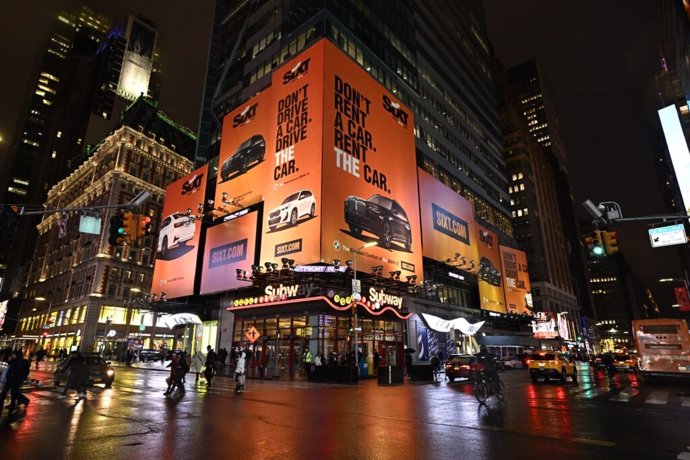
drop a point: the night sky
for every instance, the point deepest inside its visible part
(599, 58)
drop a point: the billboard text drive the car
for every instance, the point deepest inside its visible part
(251, 151)
(295, 206)
(381, 216)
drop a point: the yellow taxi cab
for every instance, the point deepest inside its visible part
(625, 362)
(551, 365)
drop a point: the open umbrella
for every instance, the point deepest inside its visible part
(409, 351)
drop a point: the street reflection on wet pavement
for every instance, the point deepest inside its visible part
(296, 419)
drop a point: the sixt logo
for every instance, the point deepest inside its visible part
(192, 185)
(298, 71)
(394, 109)
(450, 224)
(245, 116)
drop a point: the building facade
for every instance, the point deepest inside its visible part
(77, 283)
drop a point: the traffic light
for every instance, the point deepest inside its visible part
(143, 226)
(116, 230)
(610, 242)
(597, 245)
(129, 226)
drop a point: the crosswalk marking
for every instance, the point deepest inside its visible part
(684, 456)
(657, 397)
(686, 403)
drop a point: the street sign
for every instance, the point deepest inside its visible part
(252, 334)
(356, 286)
(142, 328)
(667, 236)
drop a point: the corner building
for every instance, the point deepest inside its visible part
(433, 59)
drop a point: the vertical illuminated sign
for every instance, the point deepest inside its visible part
(229, 247)
(449, 232)
(369, 168)
(516, 280)
(490, 278)
(138, 59)
(678, 149)
(178, 237)
(246, 151)
(292, 193)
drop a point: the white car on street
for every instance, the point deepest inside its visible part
(176, 230)
(294, 207)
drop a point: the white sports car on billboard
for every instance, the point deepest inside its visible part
(176, 230)
(295, 206)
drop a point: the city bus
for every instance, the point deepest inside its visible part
(663, 347)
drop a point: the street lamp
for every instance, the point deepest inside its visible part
(355, 294)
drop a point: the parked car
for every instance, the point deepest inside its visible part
(251, 151)
(462, 367)
(381, 216)
(294, 207)
(100, 370)
(176, 230)
(551, 365)
(625, 362)
(146, 354)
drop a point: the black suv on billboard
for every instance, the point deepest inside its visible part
(381, 216)
(487, 272)
(250, 151)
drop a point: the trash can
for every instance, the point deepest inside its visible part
(390, 375)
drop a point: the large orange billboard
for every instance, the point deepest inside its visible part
(449, 231)
(178, 237)
(292, 182)
(246, 153)
(369, 171)
(516, 280)
(490, 279)
(229, 246)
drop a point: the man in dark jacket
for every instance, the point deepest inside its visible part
(211, 359)
(16, 374)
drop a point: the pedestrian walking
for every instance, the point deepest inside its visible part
(17, 372)
(197, 364)
(178, 370)
(129, 357)
(81, 371)
(40, 356)
(211, 358)
(71, 383)
(240, 372)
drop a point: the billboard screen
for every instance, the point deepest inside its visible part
(490, 278)
(369, 171)
(292, 180)
(178, 236)
(229, 246)
(138, 59)
(246, 151)
(449, 231)
(516, 280)
(678, 150)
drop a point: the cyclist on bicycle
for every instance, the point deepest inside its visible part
(488, 361)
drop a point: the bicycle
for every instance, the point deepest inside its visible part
(485, 387)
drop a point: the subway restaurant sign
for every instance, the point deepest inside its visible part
(280, 292)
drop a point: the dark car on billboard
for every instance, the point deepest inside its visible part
(251, 151)
(381, 216)
(487, 272)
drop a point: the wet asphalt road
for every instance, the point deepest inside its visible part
(300, 420)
